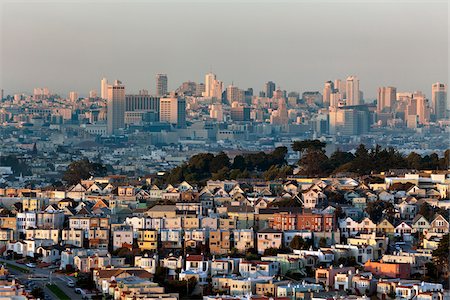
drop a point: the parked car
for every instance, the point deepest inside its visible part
(70, 283)
(78, 291)
(31, 265)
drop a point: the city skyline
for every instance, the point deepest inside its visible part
(266, 53)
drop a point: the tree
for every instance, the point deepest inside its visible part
(299, 243)
(427, 211)
(219, 162)
(270, 252)
(375, 209)
(441, 256)
(314, 163)
(322, 242)
(302, 146)
(414, 161)
(38, 292)
(82, 169)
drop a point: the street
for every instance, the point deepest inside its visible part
(59, 280)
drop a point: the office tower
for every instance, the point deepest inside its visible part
(1, 94)
(73, 96)
(422, 107)
(104, 88)
(349, 121)
(269, 88)
(217, 89)
(216, 112)
(232, 94)
(141, 102)
(386, 99)
(209, 81)
(280, 116)
(335, 99)
(339, 86)
(239, 112)
(172, 109)
(352, 91)
(199, 89)
(312, 98)
(41, 93)
(116, 107)
(213, 87)
(161, 85)
(328, 89)
(439, 100)
(93, 94)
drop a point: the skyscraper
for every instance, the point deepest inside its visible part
(116, 107)
(73, 96)
(328, 89)
(173, 110)
(269, 88)
(386, 99)
(232, 94)
(213, 87)
(352, 91)
(104, 88)
(439, 100)
(161, 85)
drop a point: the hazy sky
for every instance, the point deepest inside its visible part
(68, 46)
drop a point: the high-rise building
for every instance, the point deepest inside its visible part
(216, 112)
(92, 94)
(239, 112)
(141, 102)
(232, 94)
(213, 87)
(439, 100)
(352, 91)
(269, 88)
(386, 99)
(339, 86)
(116, 107)
(161, 85)
(104, 88)
(172, 109)
(423, 109)
(328, 89)
(73, 96)
(1, 94)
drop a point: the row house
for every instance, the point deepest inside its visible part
(146, 262)
(98, 238)
(304, 221)
(244, 239)
(46, 234)
(269, 238)
(147, 239)
(51, 217)
(172, 263)
(171, 238)
(74, 237)
(87, 222)
(10, 223)
(327, 276)
(219, 241)
(196, 237)
(122, 236)
(349, 227)
(224, 266)
(390, 270)
(6, 235)
(85, 263)
(255, 269)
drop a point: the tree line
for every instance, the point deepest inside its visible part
(313, 162)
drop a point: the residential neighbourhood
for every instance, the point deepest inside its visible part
(299, 238)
